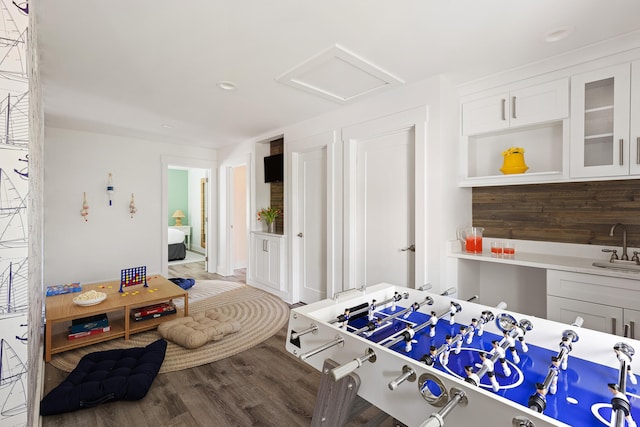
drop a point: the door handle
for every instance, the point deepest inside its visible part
(300, 234)
(411, 248)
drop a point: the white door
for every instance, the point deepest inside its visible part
(311, 235)
(315, 206)
(312, 229)
(384, 200)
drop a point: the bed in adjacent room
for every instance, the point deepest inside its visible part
(177, 248)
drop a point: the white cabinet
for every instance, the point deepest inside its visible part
(605, 303)
(267, 260)
(533, 117)
(522, 107)
(602, 142)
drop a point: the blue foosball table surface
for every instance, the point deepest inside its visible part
(582, 397)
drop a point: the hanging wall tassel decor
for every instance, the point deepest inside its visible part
(110, 188)
(85, 207)
(132, 206)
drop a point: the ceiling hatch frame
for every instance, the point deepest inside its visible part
(339, 75)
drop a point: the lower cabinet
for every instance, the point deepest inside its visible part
(605, 303)
(267, 260)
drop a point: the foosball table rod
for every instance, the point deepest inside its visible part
(437, 418)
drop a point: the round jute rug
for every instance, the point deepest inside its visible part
(260, 314)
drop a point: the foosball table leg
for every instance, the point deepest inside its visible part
(335, 399)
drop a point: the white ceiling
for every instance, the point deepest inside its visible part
(149, 68)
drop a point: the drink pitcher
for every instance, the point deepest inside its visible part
(473, 239)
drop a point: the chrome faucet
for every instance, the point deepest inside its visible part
(624, 255)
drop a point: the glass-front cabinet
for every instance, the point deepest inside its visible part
(600, 123)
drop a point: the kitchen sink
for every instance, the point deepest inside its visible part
(618, 264)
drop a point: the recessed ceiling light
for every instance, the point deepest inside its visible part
(226, 85)
(167, 126)
(558, 34)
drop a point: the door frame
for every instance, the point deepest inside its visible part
(333, 206)
(209, 167)
(224, 264)
(415, 119)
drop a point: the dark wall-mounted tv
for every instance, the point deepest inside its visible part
(274, 168)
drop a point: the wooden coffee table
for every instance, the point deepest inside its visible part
(61, 310)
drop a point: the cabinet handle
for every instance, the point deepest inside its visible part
(638, 151)
(621, 152)
(632, 327)
(613, 325)
(504, 109)
(625, 331)
(513, 107)
(265, 246)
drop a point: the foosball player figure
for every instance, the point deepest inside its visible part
(501, 357)
(538, 400)
(488, 364)
(344, 318)
(620, 401)
(447, 349)
(430, 359)
(408, 335)
(472, 377)
(472, 330)
(555, 369)
(463, 331)
(623, 356)
(373, 325)
(453, 309)
(565, 345)
(414, 307)
(520, 335)
(432, 327)
(485, 317)
(511, 343)
(396, 297)
(372, 310)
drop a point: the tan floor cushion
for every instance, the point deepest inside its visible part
(198, 329)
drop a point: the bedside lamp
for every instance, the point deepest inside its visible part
(178, 215)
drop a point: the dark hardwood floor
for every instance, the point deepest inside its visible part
(263, 386)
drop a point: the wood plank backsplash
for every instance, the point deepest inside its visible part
(576, 212)
(277, 188)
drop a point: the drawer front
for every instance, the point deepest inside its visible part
(597, 317)
(613, 291)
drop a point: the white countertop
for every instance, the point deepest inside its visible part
(550, 260)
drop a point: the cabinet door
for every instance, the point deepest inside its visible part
(261, 258)
(600, 122)
(631, 323)
(603, 318)
(273, 277)
(634, 140)
(485, 115)
(538, 104)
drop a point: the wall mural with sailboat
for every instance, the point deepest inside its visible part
(14, 175)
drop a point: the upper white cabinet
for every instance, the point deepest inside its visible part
(605, 124)
(532, 117)
(521, 107)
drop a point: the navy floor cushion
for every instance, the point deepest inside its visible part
(106, 376)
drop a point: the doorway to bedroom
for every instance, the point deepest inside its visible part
(187, 218)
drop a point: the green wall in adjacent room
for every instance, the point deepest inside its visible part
(178, 196)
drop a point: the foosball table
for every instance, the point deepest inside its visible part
(432, 360)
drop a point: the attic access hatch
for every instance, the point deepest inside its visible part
(339, 75)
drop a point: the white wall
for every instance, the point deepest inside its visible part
(96, 250)
(448, 206)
